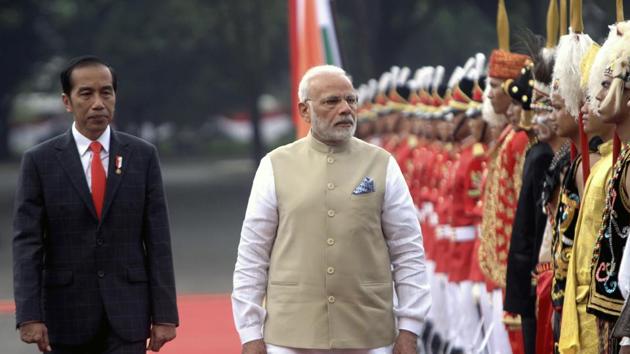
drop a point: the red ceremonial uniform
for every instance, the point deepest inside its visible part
(466, 192)
(442, 201)
(501, 196)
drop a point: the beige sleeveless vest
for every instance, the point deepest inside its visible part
(330, 282)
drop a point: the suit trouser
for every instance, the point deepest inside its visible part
(528, 326)
(106, 341)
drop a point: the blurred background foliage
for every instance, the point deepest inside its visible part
(187, 62)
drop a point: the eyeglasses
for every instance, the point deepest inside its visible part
(333, 101)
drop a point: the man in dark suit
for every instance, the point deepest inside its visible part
(93, 270)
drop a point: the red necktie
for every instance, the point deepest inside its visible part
(98, 178)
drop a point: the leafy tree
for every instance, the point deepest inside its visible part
(376, 34)
(23, 26)
(177, 60)
(185, 60)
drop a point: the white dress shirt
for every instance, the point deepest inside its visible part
(83, 146)
(403, 237)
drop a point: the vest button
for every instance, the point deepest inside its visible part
(330, 270)
(330, 241)
(331, 186)
(331, 299)
(331, 213)
(330, 159)
(100, 274)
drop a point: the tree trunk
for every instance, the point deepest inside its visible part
(4, 128)
(258, 149)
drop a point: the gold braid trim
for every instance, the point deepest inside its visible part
(625, 196)
(518, 171)
(487, 256)
(492, 264)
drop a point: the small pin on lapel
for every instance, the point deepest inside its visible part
(119, 162)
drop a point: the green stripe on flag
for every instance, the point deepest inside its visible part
(330, 59)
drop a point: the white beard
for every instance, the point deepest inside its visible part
(331, 133)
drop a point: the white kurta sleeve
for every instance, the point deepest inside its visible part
(404, 240)
(252, 263)
(624, 283)
(624, 273)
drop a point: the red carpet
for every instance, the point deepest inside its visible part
(7, 307)
(206, 325)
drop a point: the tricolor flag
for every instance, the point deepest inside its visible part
(312, 41)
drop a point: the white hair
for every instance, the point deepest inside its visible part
(566, 71)
(313, 72)
(602, 60)
(618, 70)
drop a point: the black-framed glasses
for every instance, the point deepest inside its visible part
(333, 101)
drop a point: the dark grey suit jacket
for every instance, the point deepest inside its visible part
(622, 326)
(69, 269)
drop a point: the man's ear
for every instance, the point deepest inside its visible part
(66, 102)
(304, 110)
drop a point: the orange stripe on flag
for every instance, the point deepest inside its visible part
(306, 50)
(293, 59)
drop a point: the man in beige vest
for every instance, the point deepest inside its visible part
(329, 228)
